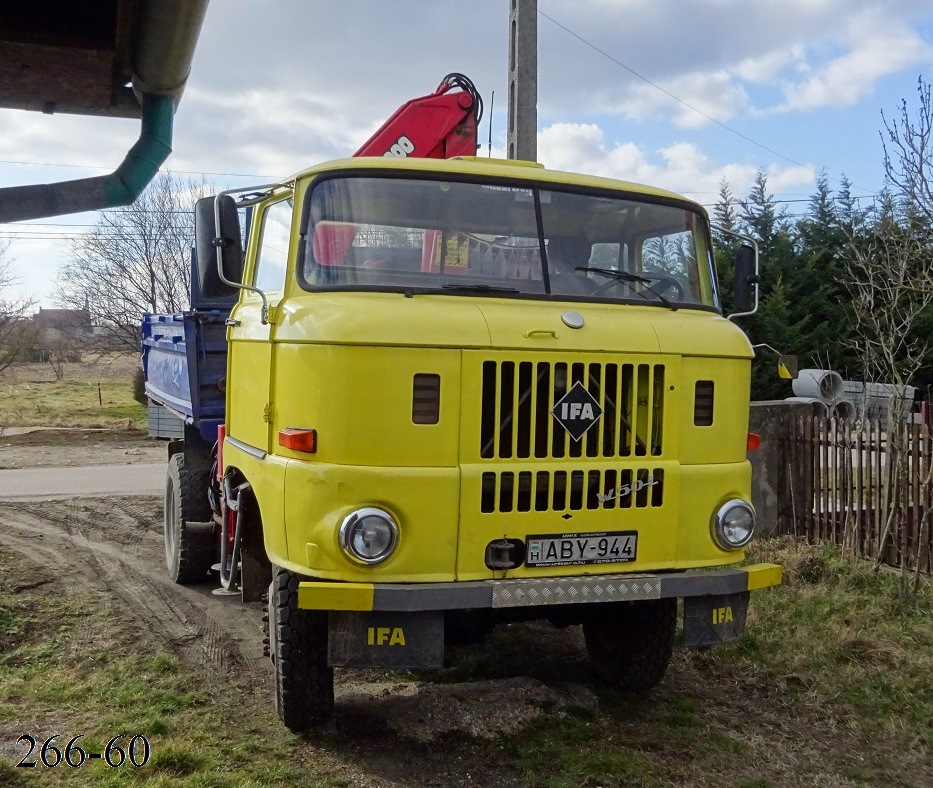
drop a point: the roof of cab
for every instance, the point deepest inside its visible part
(499, 168)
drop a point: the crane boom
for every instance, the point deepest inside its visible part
(441, 125)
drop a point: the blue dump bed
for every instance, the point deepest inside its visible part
(185, 364)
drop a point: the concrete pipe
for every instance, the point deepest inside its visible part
(844, 411)
(818, 408)
(823, 384)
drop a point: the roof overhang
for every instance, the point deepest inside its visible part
(95, 57)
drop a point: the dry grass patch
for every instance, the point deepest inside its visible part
(69, 666)
(830, 686)
(94, 393)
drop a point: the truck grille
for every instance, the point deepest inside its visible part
(517, 398)
(559, 491)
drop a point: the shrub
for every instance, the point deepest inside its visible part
(139, 387)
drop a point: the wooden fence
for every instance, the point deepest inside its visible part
(847, 483)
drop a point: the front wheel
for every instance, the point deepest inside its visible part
(630, 645)
(187, 552)
(304, 684)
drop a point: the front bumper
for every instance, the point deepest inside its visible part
(511, 593)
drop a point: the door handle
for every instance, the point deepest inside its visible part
(544, 332)
(231, 322)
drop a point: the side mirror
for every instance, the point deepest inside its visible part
(205, 233)
(788, 367)
(745, 282)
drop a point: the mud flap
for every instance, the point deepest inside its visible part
(709, 620)
(386, 640)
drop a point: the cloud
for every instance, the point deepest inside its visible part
(279, 86)
(271, 132)
(728, 57)
(879, 47)
(710, 95)
(681, 167)
(69, 139)
(764, 68)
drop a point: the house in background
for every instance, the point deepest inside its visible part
(69, 321)
(61, 334)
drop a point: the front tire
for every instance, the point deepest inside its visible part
(630, 645)
(187, 552)
(304, 684)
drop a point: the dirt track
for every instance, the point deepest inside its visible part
(114, 549)
(451, 727)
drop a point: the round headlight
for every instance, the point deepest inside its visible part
(734, 524)
(369, 535)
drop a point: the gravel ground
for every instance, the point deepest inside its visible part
(59, 448)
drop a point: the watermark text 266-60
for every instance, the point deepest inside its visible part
(135, 751)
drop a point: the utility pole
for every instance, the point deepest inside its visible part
(523, 80)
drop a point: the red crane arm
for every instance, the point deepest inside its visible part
(440, 125)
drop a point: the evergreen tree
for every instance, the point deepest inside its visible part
(776, 319)
(821, 301)
(775, 324)
(725, 215)
(760, 215)
(851, 217)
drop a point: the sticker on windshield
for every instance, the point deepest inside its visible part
(458, 254)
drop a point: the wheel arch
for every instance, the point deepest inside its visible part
(255, 563)
(266, 476)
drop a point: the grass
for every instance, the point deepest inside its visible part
(54, 679)
(844, 632)
(833, 660)
(92, 394)
(830, 685)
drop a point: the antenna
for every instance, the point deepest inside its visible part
(492, 103)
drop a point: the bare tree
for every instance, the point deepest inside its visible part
(908, 152)
(59, 349)
(135, 260)
(891, 285)
(16, 329)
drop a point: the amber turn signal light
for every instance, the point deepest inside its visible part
(754, 441)
(298, 439)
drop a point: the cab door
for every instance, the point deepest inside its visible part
(249, 411)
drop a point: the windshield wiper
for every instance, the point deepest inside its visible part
(410, 292)
(480, 288)
(625, 276)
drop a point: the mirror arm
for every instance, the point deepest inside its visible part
(768, 347)
(219, 244)
(754, 244)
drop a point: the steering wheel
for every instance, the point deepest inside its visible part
(665, 282)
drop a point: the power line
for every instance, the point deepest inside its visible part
(51, 224)
(739, 200)
(679, 100)
(108, 169)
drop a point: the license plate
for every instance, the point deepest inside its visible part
(603, 547)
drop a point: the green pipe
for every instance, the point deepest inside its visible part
(149, 152)
(121, 187)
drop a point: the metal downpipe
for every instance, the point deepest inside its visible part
(121, 187)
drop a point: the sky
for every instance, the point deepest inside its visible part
(673, 93)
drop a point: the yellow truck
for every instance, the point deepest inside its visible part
(458, 393)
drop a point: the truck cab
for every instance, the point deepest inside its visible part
(466, 392)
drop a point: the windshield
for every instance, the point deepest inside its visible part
(480, 237)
